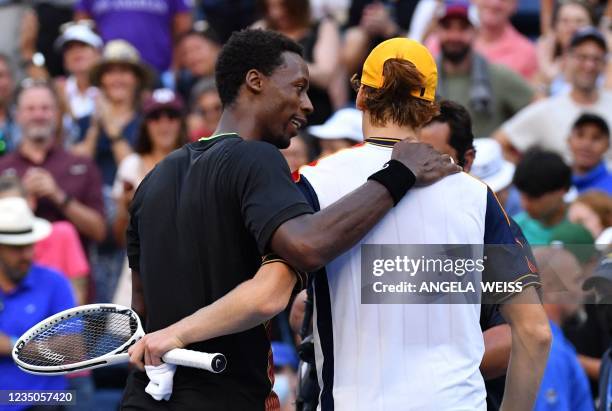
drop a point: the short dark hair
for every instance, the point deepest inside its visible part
(204, 31)
(246, 50)
(592, 119)
(580, 3)
(540, 172)
(460, 125)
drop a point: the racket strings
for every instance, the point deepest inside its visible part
(80, 338)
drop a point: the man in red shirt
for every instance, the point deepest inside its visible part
(66, 187)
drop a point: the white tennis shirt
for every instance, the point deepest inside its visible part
(397, 357)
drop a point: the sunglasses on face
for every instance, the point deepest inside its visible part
(156, 115)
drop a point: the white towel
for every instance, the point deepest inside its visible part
(161, 376)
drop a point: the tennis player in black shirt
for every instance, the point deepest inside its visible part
(204, 217)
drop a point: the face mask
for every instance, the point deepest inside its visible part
(282, 388)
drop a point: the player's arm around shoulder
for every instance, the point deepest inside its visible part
(531, 339)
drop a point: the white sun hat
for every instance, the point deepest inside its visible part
(81, 32)
(18, 226)
(490, 165)
(344, 123)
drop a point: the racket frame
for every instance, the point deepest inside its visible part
(118, 355)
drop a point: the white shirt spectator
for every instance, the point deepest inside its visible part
(81, 104)
(547, 123)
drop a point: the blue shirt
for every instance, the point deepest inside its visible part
(42, 293)
(605, 382)
(598, 178)
(565, 386)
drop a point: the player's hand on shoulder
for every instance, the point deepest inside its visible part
(150, 349)
(427, 164)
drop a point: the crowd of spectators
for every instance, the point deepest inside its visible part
(94, 93)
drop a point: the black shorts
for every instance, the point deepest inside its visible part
(187, 395)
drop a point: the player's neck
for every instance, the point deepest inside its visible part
(233, 120)
(390, 130)
(555, 217)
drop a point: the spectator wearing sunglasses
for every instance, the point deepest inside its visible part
(162, 131)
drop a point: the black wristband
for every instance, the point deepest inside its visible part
(397, 179)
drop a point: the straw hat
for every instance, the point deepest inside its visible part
(121, 52)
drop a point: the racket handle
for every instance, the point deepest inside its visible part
(211, 362)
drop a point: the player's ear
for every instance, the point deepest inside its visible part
(360, 102)
(254, 81)
(468, 159)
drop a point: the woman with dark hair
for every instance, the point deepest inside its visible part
(568, 17)
(321, 43)
(162, 131)
(108, 135)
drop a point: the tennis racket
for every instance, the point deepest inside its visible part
(92, 336)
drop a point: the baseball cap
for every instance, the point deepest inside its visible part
(457, 9)
(405, 49)
(589, 33)
(344, 123)
(80, 32)
(574, 238)
(162, 99)
(603, 272)
(490, 166)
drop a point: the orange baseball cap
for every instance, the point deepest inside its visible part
(405, 49)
